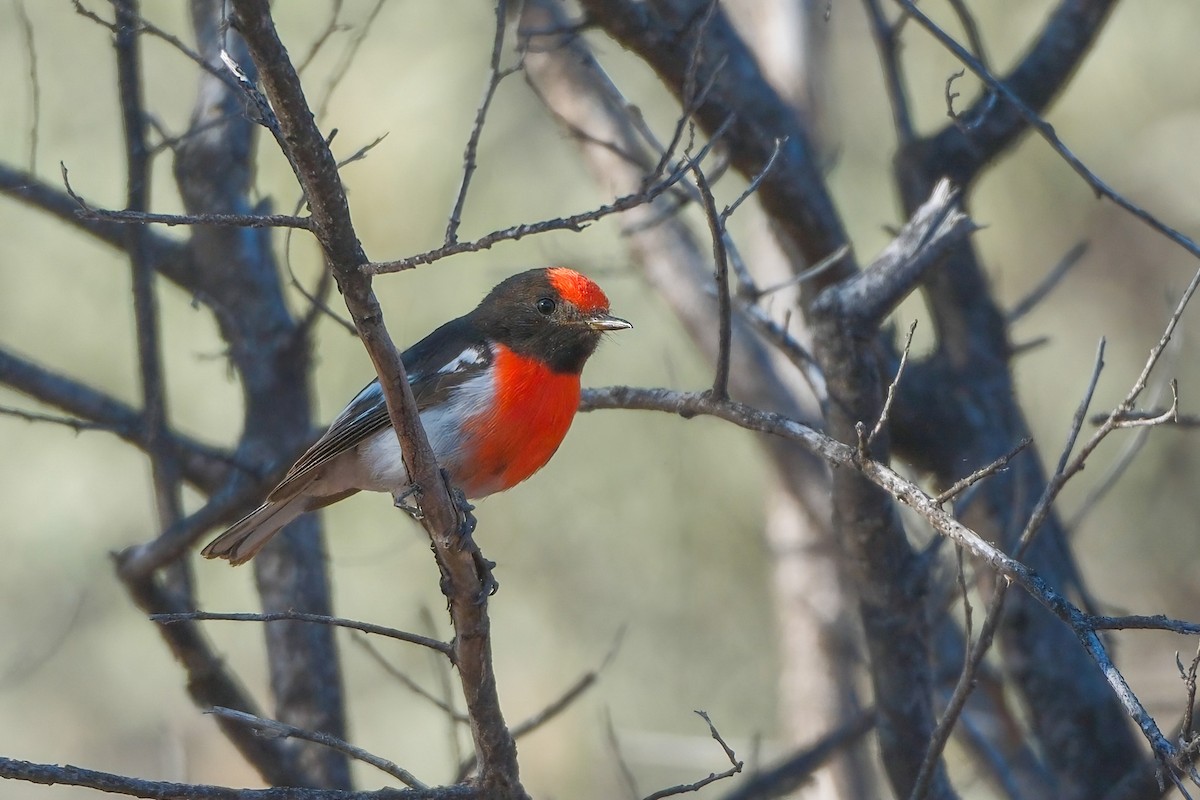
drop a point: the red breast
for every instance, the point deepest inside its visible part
(522, 428)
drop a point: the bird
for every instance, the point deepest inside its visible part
(496, 389)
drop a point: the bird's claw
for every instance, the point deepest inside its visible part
(488, 583)
(466, 529)
(413, 510)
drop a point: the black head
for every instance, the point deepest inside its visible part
(555, 314)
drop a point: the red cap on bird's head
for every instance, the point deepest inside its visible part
(577, 289)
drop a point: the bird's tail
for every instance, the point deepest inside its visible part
(250, 533)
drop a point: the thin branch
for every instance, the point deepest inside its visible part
(908, 493)
(691, 98)
(755, 182)
(239, 494)
(794, 770)
(168, 500)
(552, 710)
(999, 464)
(778, 335)
(495, 76)
(556, 706)
(74, 423)
(369, 647)
(1153, 622)
(971, 27)
(211, 683)
(716, 224)
(35, 87)
(224, 220)
(816, 270)
(1046, 131)
(328, 31)
(1189, 683)
(887, 43)
(271, 728)
(627, 778)
(1066, 468)
(966, 683)
(317, 619)
(143, 25)
(575, 222)
(53, 774)
(348, 56)
(144, 217)
(170, 257)
(713, 777)
(204, 466)
(885, 414)
(1116, 418)
(1048, 284)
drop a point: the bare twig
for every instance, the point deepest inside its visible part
(211, 683)
(887, 42)
(991, 469)
(885, 414)
(908, 493)
(134, 217)
(168, 499)
(965, 685)
(1189, 683)
(35, 87)
(331, 27)
(815, 271)
(755, 182)
(52, 774)
(495, 76)
(240, 493)
(1152, 622)
(712, 777)
(317, 619)
(575, 222)
(1048, 284)
(952, 95)
(143, 25)
(273, 728)
(790, 773)
(692, 98)
(74, 423)
(348, 55)
(1046, 131)
(971, 27)
(204, 466)
(407, 682)
(610, 731)
(716, 224)
(1066, 468)
(778, 334)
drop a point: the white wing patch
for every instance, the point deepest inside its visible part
(381, 467)
(468, 357)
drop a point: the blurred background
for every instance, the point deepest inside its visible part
(644, 533)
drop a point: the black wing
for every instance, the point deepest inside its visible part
(436, 365)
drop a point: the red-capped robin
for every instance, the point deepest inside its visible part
(496, 389)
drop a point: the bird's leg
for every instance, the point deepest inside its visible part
(466, 540)
(414, 510)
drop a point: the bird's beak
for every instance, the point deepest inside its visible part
(607, 322)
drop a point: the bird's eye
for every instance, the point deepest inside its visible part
(545, 306)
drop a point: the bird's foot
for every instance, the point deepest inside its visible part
(414, 509)
(466, 540)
